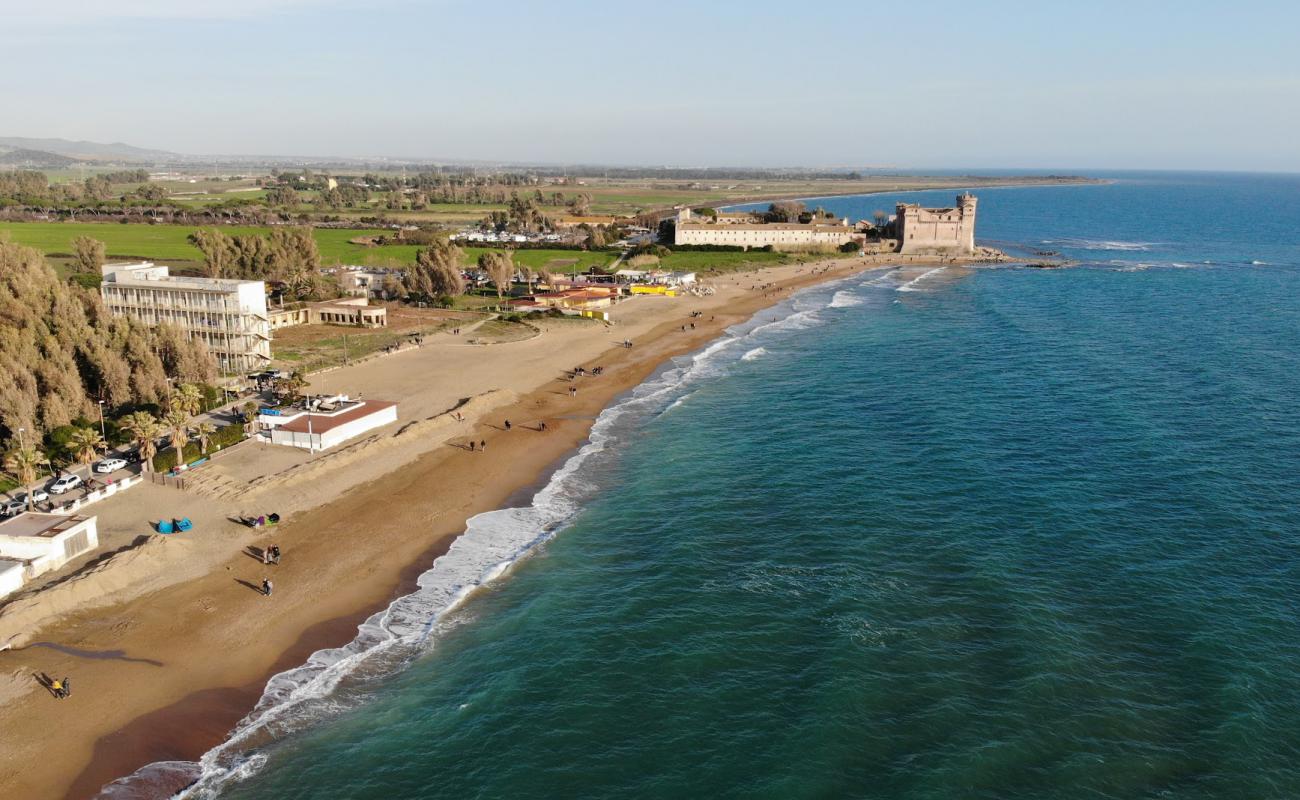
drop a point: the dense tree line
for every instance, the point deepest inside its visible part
(26, 187)
(288, 256)
(61, 352)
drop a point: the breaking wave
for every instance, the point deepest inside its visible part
(1099, 244)
(911, 286)
(757, 352)
(845, 299)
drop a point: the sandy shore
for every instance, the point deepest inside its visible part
(168, 669)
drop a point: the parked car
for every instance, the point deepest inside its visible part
(65, 483)
(110, 465)
(19, 503)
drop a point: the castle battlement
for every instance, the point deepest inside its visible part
(937, 230)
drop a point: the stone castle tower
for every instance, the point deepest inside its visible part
(937, 230)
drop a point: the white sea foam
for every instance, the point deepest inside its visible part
(757, 352)
(888, 277)
(911, 286)
(845, 299)
(1096, 244)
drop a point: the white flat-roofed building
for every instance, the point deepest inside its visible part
(331, 421)
(229, 316)
(40, 542)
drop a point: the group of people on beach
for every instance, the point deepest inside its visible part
(61, 689)
(270, 555)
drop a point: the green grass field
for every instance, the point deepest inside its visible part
(722, 262)
(170, 243)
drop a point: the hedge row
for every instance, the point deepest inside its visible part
(224, 437)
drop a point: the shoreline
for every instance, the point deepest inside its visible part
(221, 685)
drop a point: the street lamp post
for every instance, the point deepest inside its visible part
(27, 490)
(103, 431)
(311, 441)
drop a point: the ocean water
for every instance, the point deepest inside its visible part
(986, 533)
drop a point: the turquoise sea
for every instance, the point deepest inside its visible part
(990, 533)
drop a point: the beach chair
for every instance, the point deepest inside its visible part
(184, 525)
(165, 526)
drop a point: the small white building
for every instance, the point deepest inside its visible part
(12, 576)
(330, 422)
(632, 275)
(40, 542)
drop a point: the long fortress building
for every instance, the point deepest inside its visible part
(917, 230)
(746, 230)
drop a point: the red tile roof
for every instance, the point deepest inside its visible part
(320, 423)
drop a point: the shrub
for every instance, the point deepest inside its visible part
(224, 437)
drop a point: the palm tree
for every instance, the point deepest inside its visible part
(177, 426)
(86, 444)
(204, 431)
(289, 389)
(187, 398)
(24, 463)
(144, 430)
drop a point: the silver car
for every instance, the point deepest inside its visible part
(65, 483)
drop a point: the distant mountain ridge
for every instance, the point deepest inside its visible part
(86, 151)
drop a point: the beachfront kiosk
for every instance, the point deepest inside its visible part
(325, 422)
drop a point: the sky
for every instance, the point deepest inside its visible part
(1142, 84)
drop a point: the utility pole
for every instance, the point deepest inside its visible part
(103, 432)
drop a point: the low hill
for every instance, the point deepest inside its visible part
(83, 150)
(33, 159)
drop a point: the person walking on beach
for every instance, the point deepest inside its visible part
(266, 555)
(507, 425)
(541, 426)
(275, 554)
(471, 445)
(482, 445)
(573, 391)
(267, 586)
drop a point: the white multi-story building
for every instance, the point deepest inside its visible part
(228, 315)
(734, 230)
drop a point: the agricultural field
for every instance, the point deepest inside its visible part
(169, 243)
